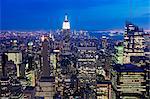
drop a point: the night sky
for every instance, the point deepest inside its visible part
(83, 14)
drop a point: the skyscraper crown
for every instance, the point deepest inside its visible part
(66, 23)
(66, 18)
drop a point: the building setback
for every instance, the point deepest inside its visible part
(133, 42)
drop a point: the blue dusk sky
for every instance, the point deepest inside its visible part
(83, 14)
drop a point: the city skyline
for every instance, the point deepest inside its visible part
(75, 49)
(83, 14)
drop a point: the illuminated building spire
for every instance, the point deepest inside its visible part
(66, 23)
(66, 18)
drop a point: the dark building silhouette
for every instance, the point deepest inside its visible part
(4, 60)
(45, 67)
(22, 70)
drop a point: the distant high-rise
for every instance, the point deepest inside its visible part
(66, 35)
(104, 42)
(133, 42)
(66, 23)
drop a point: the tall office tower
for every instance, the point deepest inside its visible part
(46, 85)
(86, 64)
(104, 42)
(133, 42)
(15, 56)
(66, 35)
(65, 58)
(131, 82)
(147, 55)
(45, 56)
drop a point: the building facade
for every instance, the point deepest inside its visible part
(133, 42)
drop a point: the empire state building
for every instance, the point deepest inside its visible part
(66, 36)
(66, 23)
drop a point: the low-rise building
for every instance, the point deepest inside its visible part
(131, 82)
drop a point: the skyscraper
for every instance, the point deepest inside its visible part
(66, 23)
(45, 67)
(133, 42)
(46, 85)
(66, 35)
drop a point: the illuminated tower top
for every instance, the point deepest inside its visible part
(66, 23)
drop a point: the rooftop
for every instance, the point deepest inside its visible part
(29, 88)
(128, 68)
(104, 82)
(47, 79)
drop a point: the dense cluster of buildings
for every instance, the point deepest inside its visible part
(67, 64)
